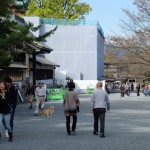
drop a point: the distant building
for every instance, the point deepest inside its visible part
(78, 47)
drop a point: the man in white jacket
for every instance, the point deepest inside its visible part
(40, 94)
(99, 104)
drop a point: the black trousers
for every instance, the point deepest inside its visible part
(99, 114)
(138, 92)
(68, 118)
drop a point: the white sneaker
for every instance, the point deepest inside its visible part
(7, 133)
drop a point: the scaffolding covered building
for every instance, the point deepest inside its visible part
(78, 47)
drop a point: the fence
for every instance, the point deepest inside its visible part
(56, 93)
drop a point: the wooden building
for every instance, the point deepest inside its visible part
(25, 68)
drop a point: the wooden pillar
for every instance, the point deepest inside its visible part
(54, 75)
(34, 68)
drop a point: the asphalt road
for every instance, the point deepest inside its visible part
(127, 127)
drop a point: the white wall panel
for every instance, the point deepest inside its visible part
(77, 49)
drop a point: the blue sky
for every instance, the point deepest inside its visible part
(108, 13)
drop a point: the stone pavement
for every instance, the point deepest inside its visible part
(127, 127)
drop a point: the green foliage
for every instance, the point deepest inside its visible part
(14, 36)
(20, 6)
(4, 11)
(42, 37)
(58, 9)
(5, 59)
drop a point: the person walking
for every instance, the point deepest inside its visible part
(99, 104)
(122, 90)
(71, 107)
(145, 90)
(5, 109)
(12, 90)
(40, 94)
(138, 89)
(132, 86)
(29, 94)
(127, 89)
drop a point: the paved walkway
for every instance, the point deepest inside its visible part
(127, 127)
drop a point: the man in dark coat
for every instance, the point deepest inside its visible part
(13, 94)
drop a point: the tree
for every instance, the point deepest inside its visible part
(20, 6)
(58, 9)
(13, 36)
(135, 44)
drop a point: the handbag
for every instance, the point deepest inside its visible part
(71, 111)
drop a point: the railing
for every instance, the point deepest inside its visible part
(66, 22)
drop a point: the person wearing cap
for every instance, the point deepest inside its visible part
(40, 94)
(13, 99)
(99, 104)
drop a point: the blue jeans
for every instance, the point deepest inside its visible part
(6, 118)
(12, 116)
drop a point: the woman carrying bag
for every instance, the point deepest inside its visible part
(71, 107)
(5, 109)
(29, 94)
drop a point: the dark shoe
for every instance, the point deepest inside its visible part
(35, 114)
(73, 133)
(0, 136)
(10, 137)
(102, 135)
(30, 107)
(69, 133)
(95, 133)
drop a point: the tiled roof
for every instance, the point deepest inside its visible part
(42, 60)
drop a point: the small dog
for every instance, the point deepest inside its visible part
(48, 112)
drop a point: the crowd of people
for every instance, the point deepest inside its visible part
(8, 102)
(99, 104)
(128, 88)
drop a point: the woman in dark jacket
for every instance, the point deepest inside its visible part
(5, 110)
(138, 89)
(29, 94)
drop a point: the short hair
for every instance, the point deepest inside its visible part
(99, 84)
(71, 85)
(8, 79)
